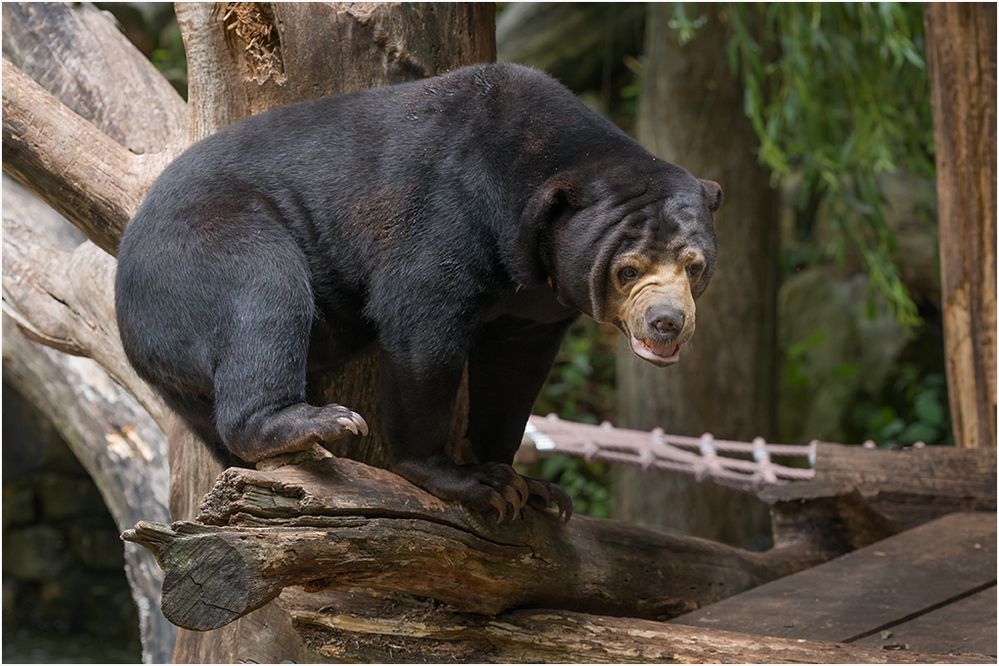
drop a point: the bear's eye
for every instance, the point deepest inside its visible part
(694, 270)
(628, 274)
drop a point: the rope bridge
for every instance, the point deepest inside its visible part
(746, 466)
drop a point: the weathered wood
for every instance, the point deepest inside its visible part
(97, 189)
(61, 294)
(77, 53)
(860, 495)
(244, 58)
(116, 442)
(56, 288)
(868, 590)
(349, 524)
(961, 54)
(965, 626)
(352, 626)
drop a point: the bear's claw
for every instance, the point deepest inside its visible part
(544, 492)
(485, 487)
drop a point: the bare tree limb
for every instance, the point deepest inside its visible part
(62, 296)
(77, 53)
(97, 188)
(349, 524)
(118, 444)
(352, 626)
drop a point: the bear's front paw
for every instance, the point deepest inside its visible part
(487, 487)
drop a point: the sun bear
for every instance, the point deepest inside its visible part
(466, 218)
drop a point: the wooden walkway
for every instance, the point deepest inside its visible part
(930, 589)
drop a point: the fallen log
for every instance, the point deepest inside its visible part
(336, 522)
(355, 626)
(860, 495)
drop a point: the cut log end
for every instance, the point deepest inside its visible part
(209, 580)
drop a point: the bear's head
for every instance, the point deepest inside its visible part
(630, 242)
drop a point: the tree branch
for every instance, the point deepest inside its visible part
(61, 295)
(118, 444)
(351, 626)
(345, 523)
(77, 53)
(80, 171)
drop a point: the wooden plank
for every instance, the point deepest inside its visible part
(965, 626)
(869, 589)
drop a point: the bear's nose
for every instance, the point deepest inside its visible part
(665, 320)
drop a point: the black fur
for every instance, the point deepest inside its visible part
(427, 218)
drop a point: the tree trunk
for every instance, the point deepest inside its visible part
(244, 58)
(691, 113)
(961, 53)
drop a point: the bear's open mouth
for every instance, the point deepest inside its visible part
(659, 353)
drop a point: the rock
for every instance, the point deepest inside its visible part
(910, 211)
(65, 496)
(98, 548)
(833, 347)
(34, 553)
(18, 503)
(32, 442)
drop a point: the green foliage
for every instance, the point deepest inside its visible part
(913, 405)
(580, 387)
(685, 26)
(588, 484)
(581, 384)
(918, 412)
(837, 94)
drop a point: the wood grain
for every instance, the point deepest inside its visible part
(337, 522)
(353, 626)
(961, 55)
(965, 626)
(870, 589)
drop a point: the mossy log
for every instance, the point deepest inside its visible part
(336, 522)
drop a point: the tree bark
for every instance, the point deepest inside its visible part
(57, 290)
(114, 438)
(244, 58)
(961, 53)
(378, 44)
(98, 188)
(860, 496)
(335, 522)
(691, 113)
(121, 448)
(76, 52)
(391, 629)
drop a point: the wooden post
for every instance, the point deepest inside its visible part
(961, 52)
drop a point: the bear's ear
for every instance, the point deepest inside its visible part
(713, 193)
(549, 203)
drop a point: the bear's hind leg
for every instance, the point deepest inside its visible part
(260, 375)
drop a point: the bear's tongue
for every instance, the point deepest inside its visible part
(659, 353)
